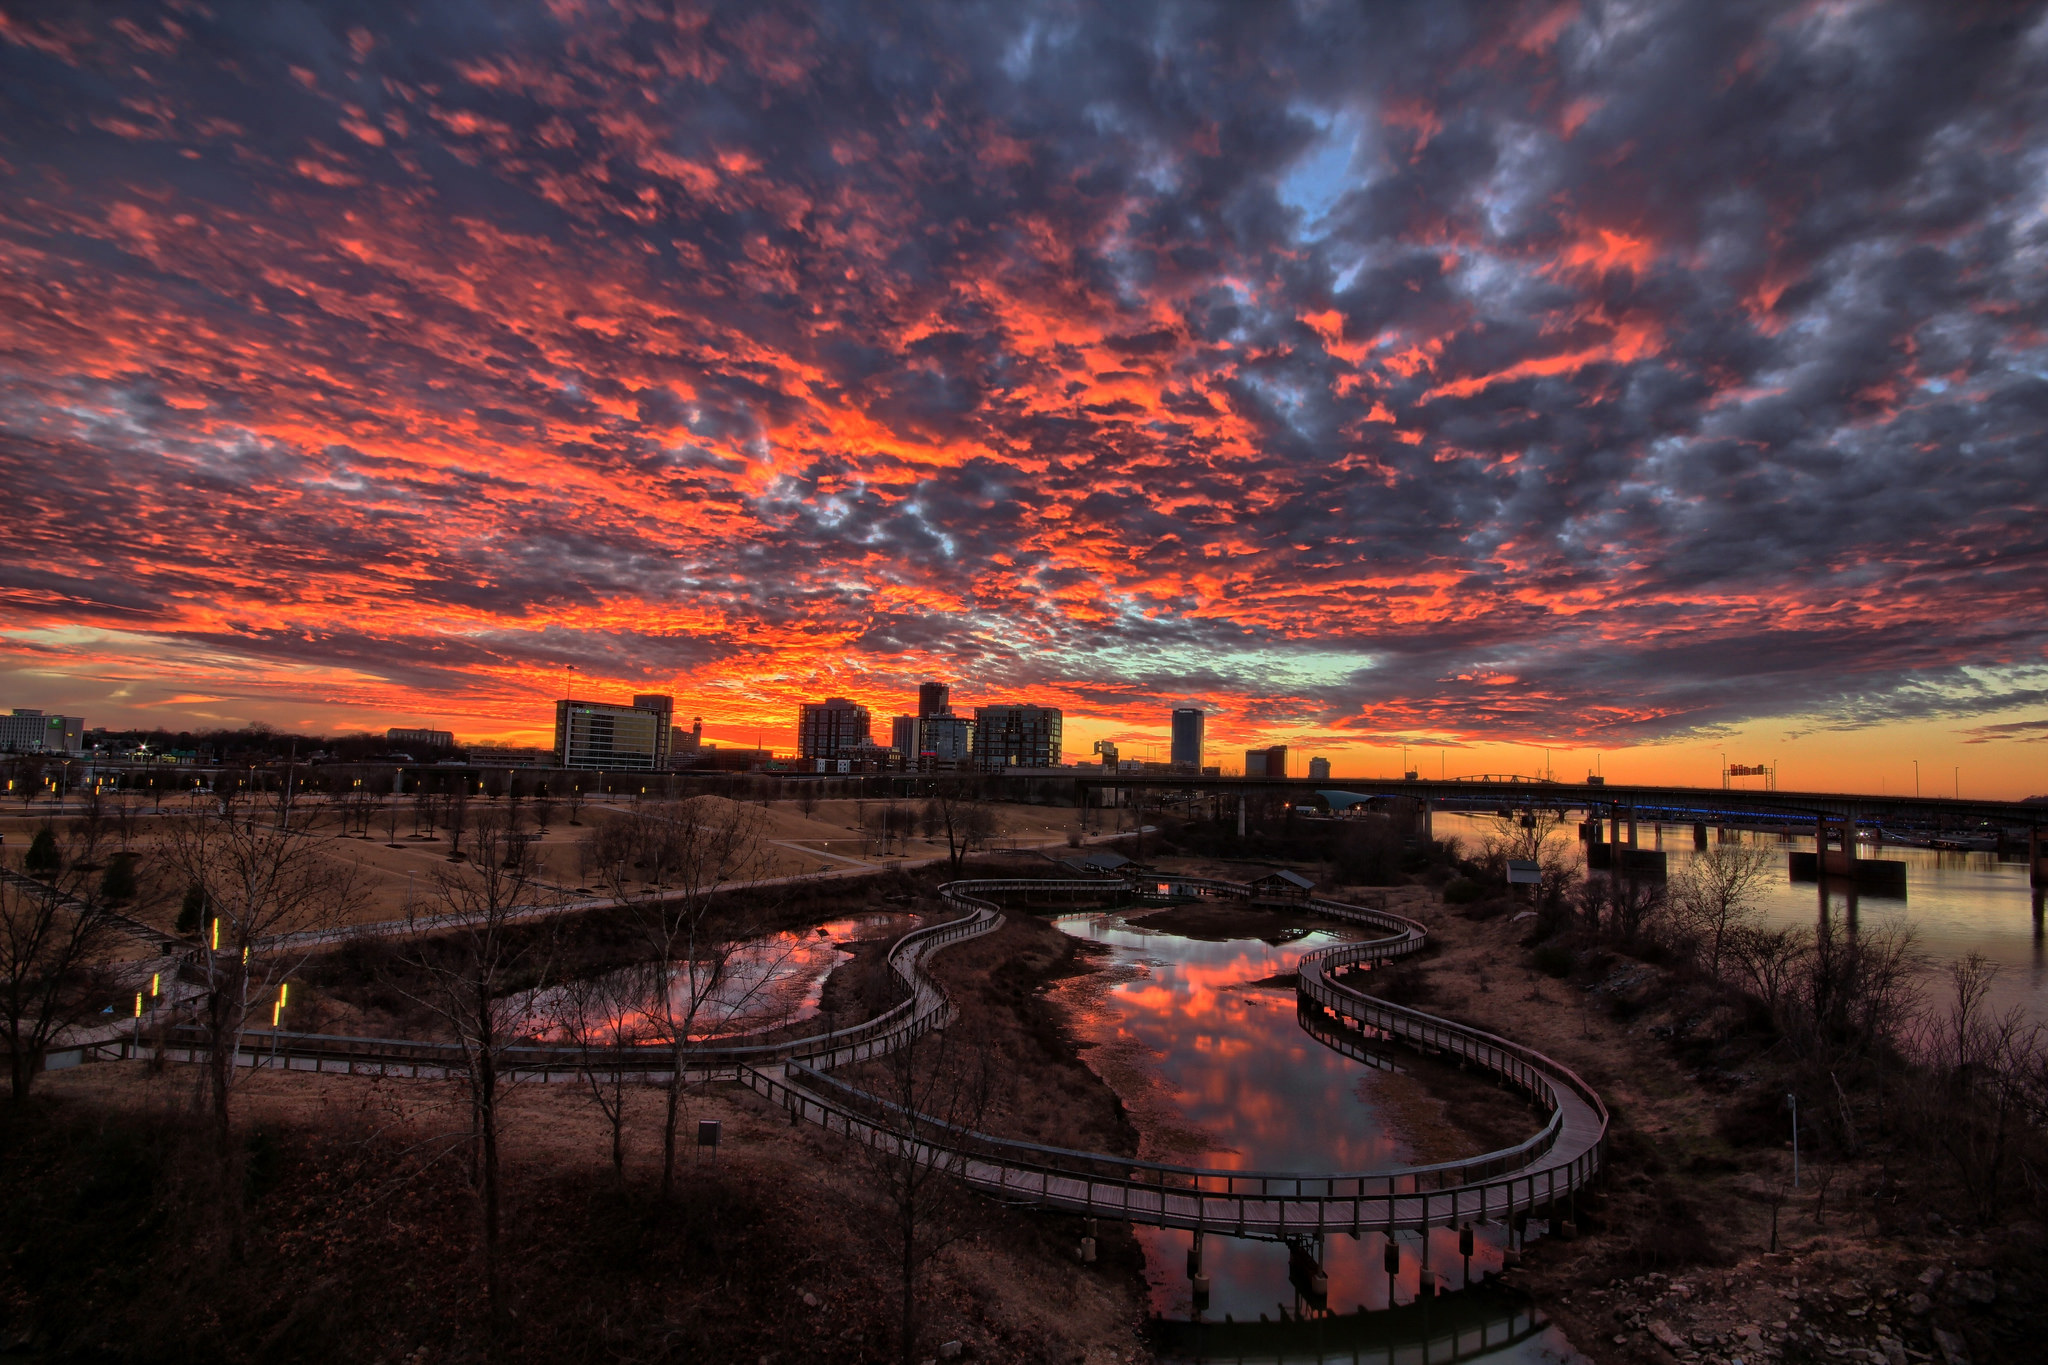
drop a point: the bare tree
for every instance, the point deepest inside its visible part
(255, 881)
(54, 933)
(543, 809)
(1856, 993)
(957, 811)
(457, 821)
(1771, 960)
(604, 1017)
(576, 801)
(934, 1090)
(1716, 891)
(686, 855)
(467, 974)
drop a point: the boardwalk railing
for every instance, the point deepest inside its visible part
(923, 1007)
(1534, 1174)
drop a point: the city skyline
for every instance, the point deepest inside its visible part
(1654, 391)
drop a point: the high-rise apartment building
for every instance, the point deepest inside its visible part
(947, 740)
(605, 735)
(1017, 736)
(830, 728)
(32, 732)
(1189, 723)
(1319, 769)
(933, 699)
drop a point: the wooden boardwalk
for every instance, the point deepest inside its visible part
(1537, 1176)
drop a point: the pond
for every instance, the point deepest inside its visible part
(1199, 1040)
(770, 982)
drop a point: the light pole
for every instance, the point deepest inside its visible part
(1793, 1100)
(1916, 779)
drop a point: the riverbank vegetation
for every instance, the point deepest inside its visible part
(1917, 1220)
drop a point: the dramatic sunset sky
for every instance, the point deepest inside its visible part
(1643, 381)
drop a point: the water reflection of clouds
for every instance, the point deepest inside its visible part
(1234, 1062)
(1265, 1096)
(767, 983)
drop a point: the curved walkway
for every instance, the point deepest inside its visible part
(1535, 1176)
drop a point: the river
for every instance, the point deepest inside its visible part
(1956, 903)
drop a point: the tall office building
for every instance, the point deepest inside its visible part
(596, 734)
(903, 738)
(1269, 762)
(1017, 736)
(32, 732)
(933, 699)
(421, 739)
(830, 728)
(1188, 725)
(1319, 769)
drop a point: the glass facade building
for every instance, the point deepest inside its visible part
(1188, 725)
(1017, 736)
(829, 729)
(604, 735)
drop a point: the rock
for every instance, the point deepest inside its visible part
(1975, 1285)
(1894, 1351)
(952, 1350)
(1918, 1304)
(810, 1299)
(1930, 1277)
(1954, 1349)
(1662, 1331)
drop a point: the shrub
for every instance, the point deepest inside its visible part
(192, 911)
(1554, 959)
(117, 883)
(43, 859)
(1462, 891)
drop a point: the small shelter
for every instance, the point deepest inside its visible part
(1100, 863)
(1282, 887)
(1522, 872)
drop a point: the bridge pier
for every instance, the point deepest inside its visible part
(1305, 1269)
(1699, 835)
(2037, 860)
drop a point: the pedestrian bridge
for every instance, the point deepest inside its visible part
(1539, 1176)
